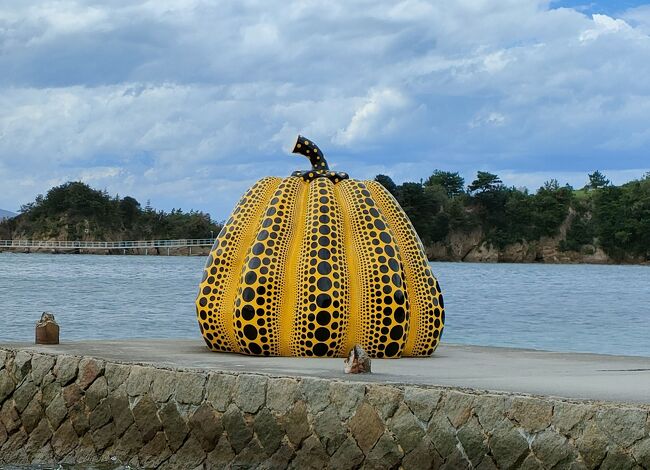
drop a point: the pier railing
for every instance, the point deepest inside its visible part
(107, 245)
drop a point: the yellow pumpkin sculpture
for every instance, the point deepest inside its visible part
(312, 264)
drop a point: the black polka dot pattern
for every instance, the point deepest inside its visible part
(259, 300)
(220, 275)
(322, 289)
(381, 306)
(427, 306)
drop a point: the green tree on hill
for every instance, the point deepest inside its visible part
(451, 182)
(76, 211)
(485, 182)
(597, 180)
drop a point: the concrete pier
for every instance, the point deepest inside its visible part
(173, 404)
(570, 375)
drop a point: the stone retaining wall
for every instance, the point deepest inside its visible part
(79, 409)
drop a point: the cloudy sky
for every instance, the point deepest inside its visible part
(188, 102)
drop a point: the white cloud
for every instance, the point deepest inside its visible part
(187, 102)
(603, 24)
(377, 115)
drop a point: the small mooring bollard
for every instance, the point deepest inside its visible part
(47, 329)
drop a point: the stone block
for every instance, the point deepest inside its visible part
(116, 374)
(532, 414)
(50, 391)
(250, 457)
(89, 370)
(24, 394)
(64, 440)
(120, 412)
(4, 354)
(386, 454)
(624, 426)
(592, 445)
(3, 435)
(164, 385)
(139, 381)
(296, 423)
(154, 452)
(65, 369)
(532, 463)
(346, 397)
(442, 434)
(457, 407)
(366, 427)
(238, 430)
(348, 456)
(268, 431)
(551, 448)
(100, 416)
(281, 458)
(508, 446)
(7, 385)
(311, 455)
(146, 419)
(190, 387)
(41, 365)
(129, 445)
(316, 394)
(250, 392)
(190, 455)
(72, 394)
(32, 414)
(618, 459)
(406, 428)
(56, 411)
(423, 457)
(103, 437)
(329, 428)
(9, 416)
(221, 456)
(641, 452)
(422, 401)
(38, 437)
(14, 449)
(22, 365)
(219, 390)
(473, 440)
(384, 398)
(491, 410)
(79, 418)
(96, 392)
(174, 425)
(568, 416)
(281, 394)
(205, 425)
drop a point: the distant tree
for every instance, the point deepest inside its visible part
(597, 180)
(387, 183)
(551, 185)
(452, 182)
(485, 182)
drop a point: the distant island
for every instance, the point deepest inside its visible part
(485, 221)
(488, 221)
(6, 214)
(75, 211)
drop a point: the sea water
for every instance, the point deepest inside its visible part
(600, 309)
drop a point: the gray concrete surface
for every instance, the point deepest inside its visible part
(569, 375)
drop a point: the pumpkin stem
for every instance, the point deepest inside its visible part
(310, 150)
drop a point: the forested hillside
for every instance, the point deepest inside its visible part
(504, 223)
(75, 211)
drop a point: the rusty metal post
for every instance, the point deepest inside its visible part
(47, 329)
